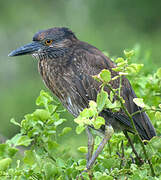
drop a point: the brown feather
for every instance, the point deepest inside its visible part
(70, 79)
(67, 66)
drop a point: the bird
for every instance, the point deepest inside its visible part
(67, 66)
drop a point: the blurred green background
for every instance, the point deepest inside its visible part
(111, 26)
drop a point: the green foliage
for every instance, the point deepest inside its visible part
(44, 157)
(139, 102)
(105, 101)
(25, 81)
(36, 153)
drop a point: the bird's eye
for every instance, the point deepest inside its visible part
(48, 42)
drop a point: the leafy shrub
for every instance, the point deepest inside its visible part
(34, 153)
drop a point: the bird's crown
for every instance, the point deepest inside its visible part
(57, 33)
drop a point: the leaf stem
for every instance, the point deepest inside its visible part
(143, 110)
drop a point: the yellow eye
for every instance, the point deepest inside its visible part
(48, 42)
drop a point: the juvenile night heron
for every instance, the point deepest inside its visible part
(67, 65)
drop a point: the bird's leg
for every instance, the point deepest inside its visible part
(133, 148)
(89, 153)
(90, 144)
(107, 136)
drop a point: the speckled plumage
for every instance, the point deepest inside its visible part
(67, 66)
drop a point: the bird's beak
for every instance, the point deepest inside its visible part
(30, 48)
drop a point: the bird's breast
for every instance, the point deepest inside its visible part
(61, 81)
(51, 76)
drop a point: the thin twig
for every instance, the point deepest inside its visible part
(120, 85)
(143, 110)
(109, 147)
(51, 157)
(122, 156)
(133, 148)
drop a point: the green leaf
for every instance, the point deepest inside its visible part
(97, 78)
(65, 131)
(51, 130)
(60, 162)
(111, 96)
(14, 139)
(158, 73)
(139, 102)
(119, 60)
(93, 108)
(52, 145)
(83, 149)
(79, 129)
(29, 158)
(93, 104)
(44, 99)
(52, 108)
(129, 54)
(133, 167)
(110, 162)
(137, 67)
(158, 115)
(60, 121)
(156, 142)
(50, 170)
(117, 69)
(109, 104)
(105, 177)
(14, 122)
(87, 113)
(133, 68)
(3, 150)
(101, 100)
(79, 121)
(115, 106)
(136, 176)
(4, 163)
(122, 64)
(12, 151)
(24, 141)
(6, 150)
(42, 114)
(98, 122)
(105, 75)
(115, 77)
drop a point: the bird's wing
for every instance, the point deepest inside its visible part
(93, 61)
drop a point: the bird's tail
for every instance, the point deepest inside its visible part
(144, 125)
(141, 120)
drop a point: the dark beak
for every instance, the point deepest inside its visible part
(30, 48)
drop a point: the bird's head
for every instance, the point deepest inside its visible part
(51, 43)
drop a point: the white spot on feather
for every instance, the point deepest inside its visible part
(69, 101)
